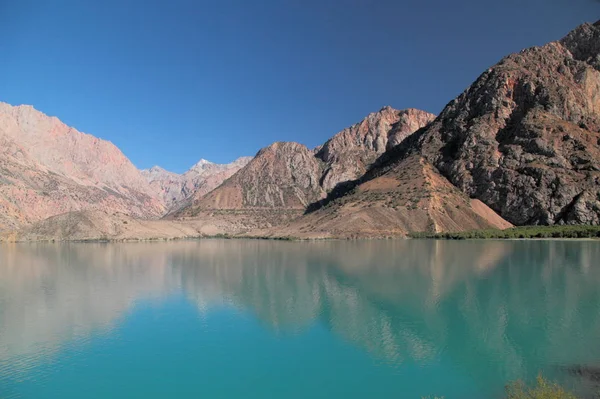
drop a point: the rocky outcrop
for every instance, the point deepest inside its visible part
(175, 190)
(525, 137)
(47, 168)
(282, 175)
(349, 153)
(410, 196)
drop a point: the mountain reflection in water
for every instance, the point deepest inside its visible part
(515, 306)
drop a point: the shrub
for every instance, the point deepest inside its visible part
(543, 389)
(568, 231)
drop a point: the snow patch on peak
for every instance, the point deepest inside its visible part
(202, 162)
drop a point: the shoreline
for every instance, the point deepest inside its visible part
(286, 239)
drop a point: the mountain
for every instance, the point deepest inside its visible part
(410, 196)
(521, 145)
(175, 189)
(282, 175)
(525, 137)
(47, 168)
(289, 176)
(349, 153)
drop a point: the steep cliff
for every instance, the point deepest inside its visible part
(349, 153)
(525, 137)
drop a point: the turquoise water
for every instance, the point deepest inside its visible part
(258, 319)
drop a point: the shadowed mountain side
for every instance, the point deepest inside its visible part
(411, 196)
(525, 137)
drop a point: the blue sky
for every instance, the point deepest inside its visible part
(171, 82)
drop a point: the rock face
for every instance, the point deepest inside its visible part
(409, 196)
(520, 145)
(47, 168)
(175, 189)
(282, 175)
(290, 176)
(349, 153)
(524, 138)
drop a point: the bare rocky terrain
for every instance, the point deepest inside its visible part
(525, 137)
(411, 196)
(288, 175)
(520, 146)
(178, 190)
(349, 154)
(282, 175)
(47, 167)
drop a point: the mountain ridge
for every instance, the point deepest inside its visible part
(176, 190)
(520, 145)
(288, 174)
(47, 167)
(523, 140)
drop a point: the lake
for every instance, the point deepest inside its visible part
(262, 319)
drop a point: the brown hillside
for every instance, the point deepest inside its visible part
(411, 196)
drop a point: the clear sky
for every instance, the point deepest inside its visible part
(171, 82)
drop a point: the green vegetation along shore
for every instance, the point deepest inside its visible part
(569, 231)
(542, 389)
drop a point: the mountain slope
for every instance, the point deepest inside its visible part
(349, 153)
(524, 138)
(410, 196)
(282, 175)
(176, 189)
(290, 176)
(47, 168)
(523, 142)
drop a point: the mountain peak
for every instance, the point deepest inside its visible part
(201, 164)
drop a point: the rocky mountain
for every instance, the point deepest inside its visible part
(175, 189)
(283, 175)
(349, 153)
(47, 168)
(525, 137)
(290, 176)
(410, 196)
(521, 145)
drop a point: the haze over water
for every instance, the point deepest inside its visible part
(235, 318)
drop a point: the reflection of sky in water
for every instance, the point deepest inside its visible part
(489, 311)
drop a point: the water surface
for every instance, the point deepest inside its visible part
(257, 319)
